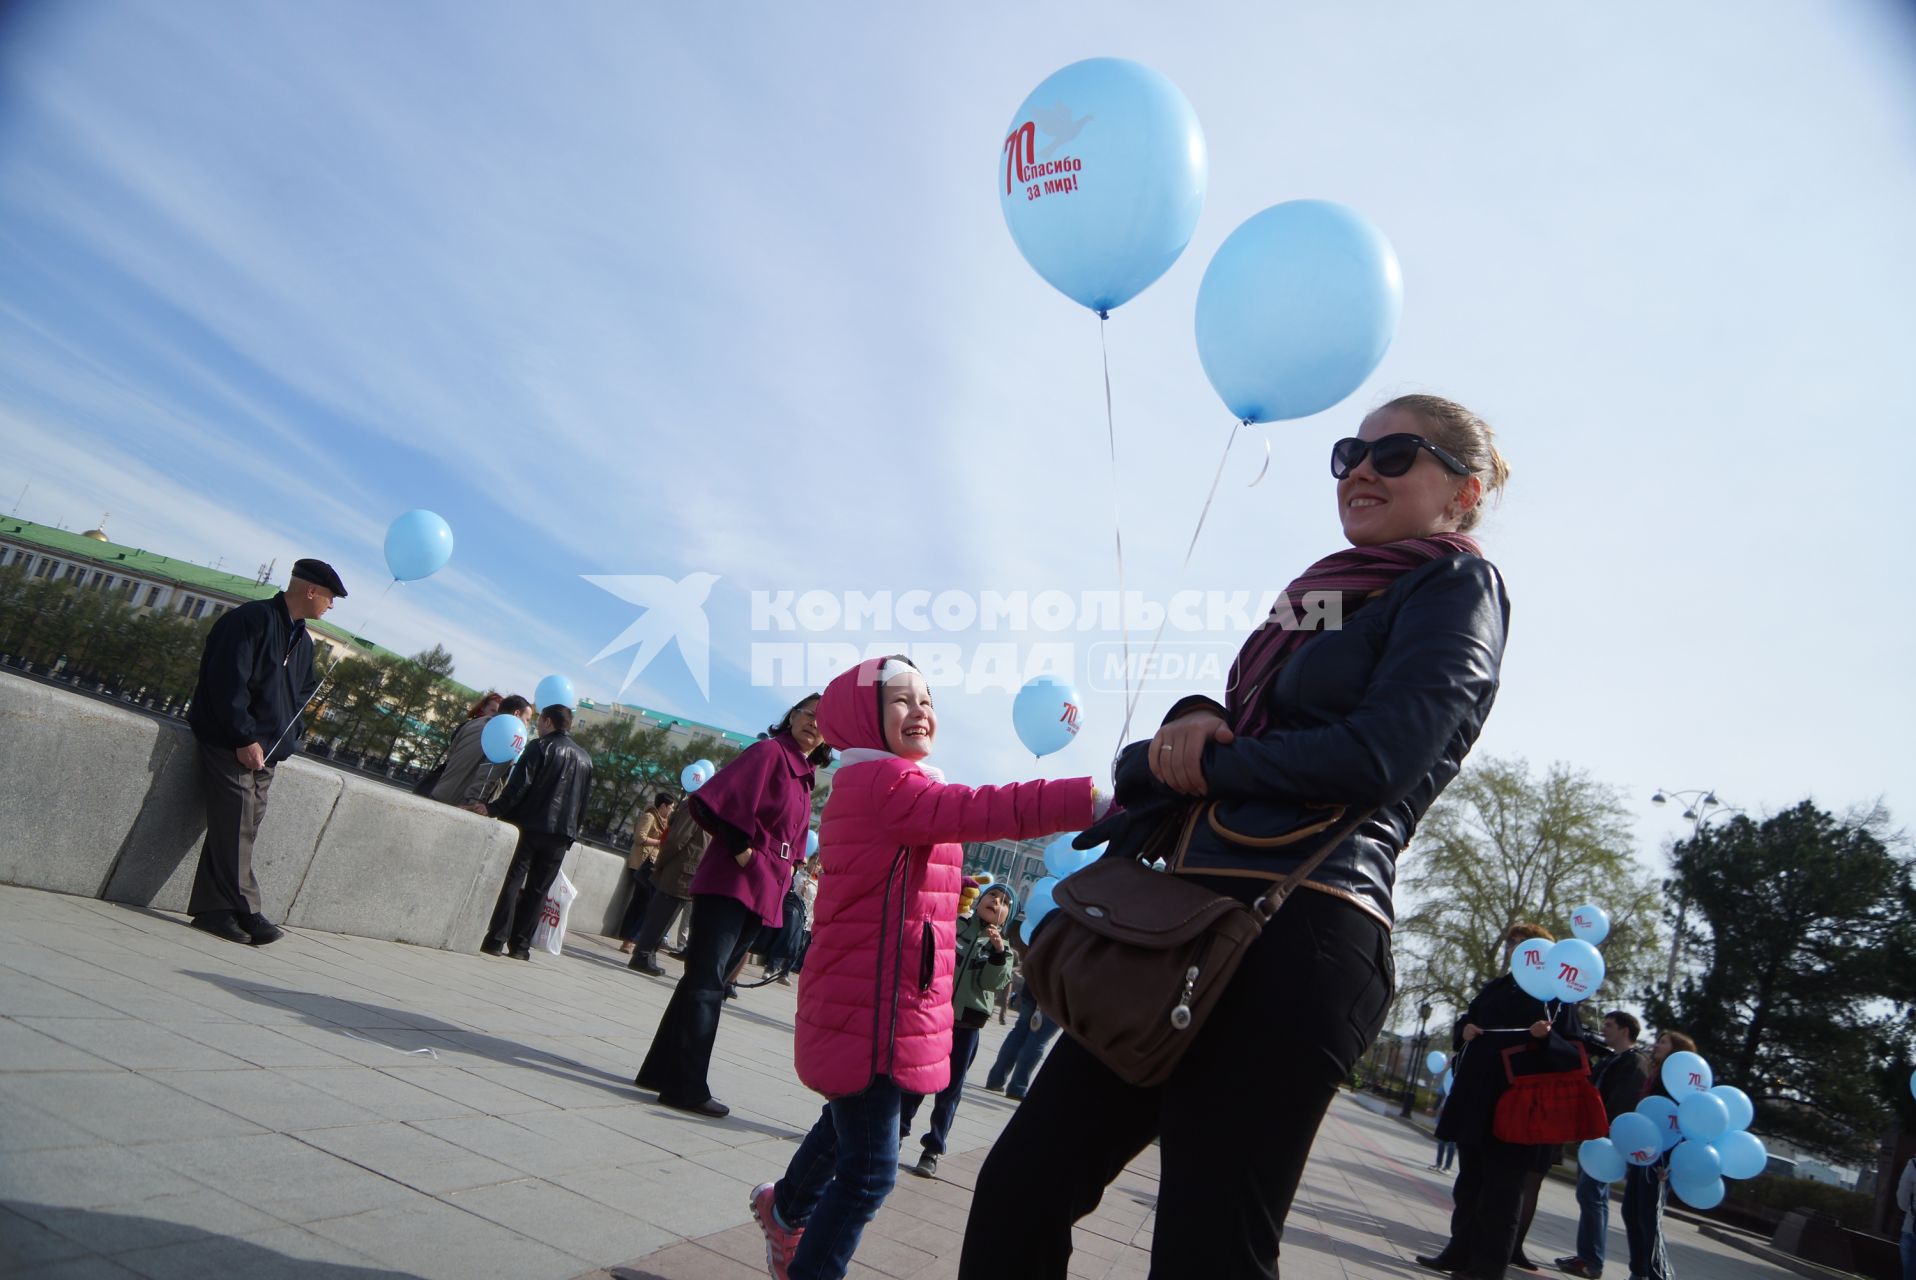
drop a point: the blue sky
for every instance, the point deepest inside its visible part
(648, 289)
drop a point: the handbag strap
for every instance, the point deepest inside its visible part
(1268, 905)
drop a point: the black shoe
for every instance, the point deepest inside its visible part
(492, 948)
(1522, 1262)
(927, 1166)
(672, 954)
(1573, 1265)
(711, 1108)
(1440, 1262)
(993, 1088)
(520, 953)
(639, 1082)
(261, 930)
(1015, 1097)
(222, 924)
(645, 963)
(731, 991)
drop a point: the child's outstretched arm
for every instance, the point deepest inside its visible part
(920, 810)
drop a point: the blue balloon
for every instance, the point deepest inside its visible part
(1662, 1113)
(1436, 1063)
(1637, 1138)
(1600, 1159)
(811, 844)
(1695, 1162)
(1528, 968)
(1045, 715)
(418, 544)
(1450, 1078)
(1742, 1154)
(1575, 969)
(1738, 1103)
(1101, 179)
(554, 689)
(1060, 859)
(504, 738)
(1700, 1195)
(1039, 904)
(1296, 309)
(1686, 1073)
(1591, 923)
(695, 775)
(1702, 1117)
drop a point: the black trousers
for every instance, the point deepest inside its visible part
(641, 880)
(658, 914)
(535, 865)
(681, 1053)
(1234, 1123)
(1488, 1205)
(235, 805)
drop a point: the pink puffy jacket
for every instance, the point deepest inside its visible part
(874, 997)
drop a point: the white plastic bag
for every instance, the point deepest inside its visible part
(550, 935)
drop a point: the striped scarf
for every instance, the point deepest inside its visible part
(1354, 576)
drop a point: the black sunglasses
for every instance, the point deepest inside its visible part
(1390, 455)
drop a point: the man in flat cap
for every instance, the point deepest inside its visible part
(256, 676)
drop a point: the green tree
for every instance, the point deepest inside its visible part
(1501, 846)
(1808, 968)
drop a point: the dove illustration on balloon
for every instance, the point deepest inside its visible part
(1058, 126)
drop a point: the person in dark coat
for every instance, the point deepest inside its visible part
(256, 677)
(1492, 1174)
(545, 798)
(678, 861)
(1619, 1081)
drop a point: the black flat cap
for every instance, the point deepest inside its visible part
(320, 574)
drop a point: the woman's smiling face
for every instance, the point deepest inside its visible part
(1427, 499)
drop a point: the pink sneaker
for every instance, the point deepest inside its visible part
(781, 1241)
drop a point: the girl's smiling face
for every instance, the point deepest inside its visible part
(907, 718)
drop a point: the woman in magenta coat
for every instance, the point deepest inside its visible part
(758, 809)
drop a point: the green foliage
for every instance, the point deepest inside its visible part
(1500, 846)
(632, 762)
(152, 655)
(1807, 927)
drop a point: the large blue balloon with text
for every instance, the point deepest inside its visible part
(1101, 178)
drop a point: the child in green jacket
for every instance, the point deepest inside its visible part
(984, 969)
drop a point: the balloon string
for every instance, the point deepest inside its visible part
(1203, 515)
(330, 668)
(1117, 531)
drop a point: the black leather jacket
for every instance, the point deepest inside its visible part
(547, 788)
(1378, 715)
(255, 676)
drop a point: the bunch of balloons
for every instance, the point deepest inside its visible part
(1703, 1126)
(1060, 860)
(697, 774)
(1570, 970)
(1045, 715)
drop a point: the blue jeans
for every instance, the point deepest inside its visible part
(1593, 1219)
(1909, 1255)
(964, 1048)
(839, 1177)
(1643, 1194)
(1446, 1152)
(1022, 1051)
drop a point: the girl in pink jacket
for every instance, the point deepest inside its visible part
(874, 1000)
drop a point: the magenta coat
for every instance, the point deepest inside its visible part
(874, 997)
(761, 801)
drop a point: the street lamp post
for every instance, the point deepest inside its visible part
(1421, 1045)
(1699, 806)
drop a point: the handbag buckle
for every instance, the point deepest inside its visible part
(1181, 1016)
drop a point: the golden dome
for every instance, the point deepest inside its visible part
(99, 534)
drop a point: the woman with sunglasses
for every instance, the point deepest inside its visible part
(1361, 695)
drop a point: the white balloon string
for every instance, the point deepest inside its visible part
(1203, 515)
(330, 668)
(1117, 530)
(1266, 467)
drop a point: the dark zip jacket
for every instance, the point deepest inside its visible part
(547, 789)
(255, 677)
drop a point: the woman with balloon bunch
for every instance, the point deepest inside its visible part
(1521, 1010)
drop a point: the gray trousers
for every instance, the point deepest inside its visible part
(235, 804)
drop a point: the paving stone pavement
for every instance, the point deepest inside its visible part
(337, 1108)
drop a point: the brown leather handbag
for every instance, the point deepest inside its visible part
(1133, 960)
